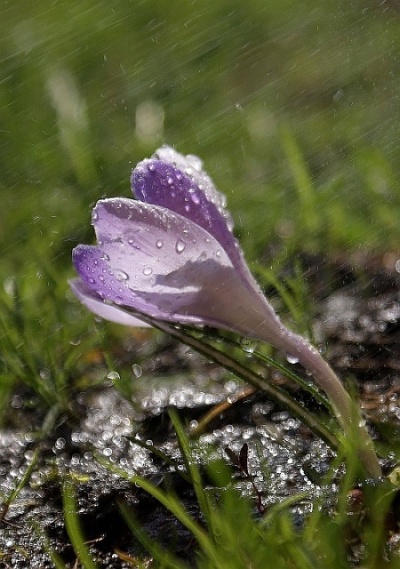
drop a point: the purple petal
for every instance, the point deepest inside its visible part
(192, 166)
(163, 183)
(143, 247)
(97, 305)
(164, 265)
(179, 184)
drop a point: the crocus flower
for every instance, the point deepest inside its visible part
(171, 254)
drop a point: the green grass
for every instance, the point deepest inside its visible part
(295, 114)
(230, 537)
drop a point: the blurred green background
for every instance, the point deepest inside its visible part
(294, 109)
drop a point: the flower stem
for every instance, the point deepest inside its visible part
(344, 407)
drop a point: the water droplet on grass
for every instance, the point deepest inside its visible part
(113, 375)
(137, 370)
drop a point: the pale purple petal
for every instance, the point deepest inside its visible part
(158, 262)
(103, 309)
(97, 275)
(149, 248)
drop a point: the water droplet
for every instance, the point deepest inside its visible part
(105, 257)
(292, 359)
(95, 216)
(195, 162)
(195, 199)
(151, 167)
(137, 370)
(248, 346)
(159, 243)
(170, 181)
(113, 375)
(121, 275)
(147, 271)
(180, 246)
(218, 253)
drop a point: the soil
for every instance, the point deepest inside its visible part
(357, 316)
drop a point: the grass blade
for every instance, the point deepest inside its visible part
(73, 526)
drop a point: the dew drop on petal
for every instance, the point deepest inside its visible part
(121, 275)
(147, 271)
(105, 257)
(180, 246)
(195, 199)
(159, 243)
(195, 161)
(95, 216)
(151, 167)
